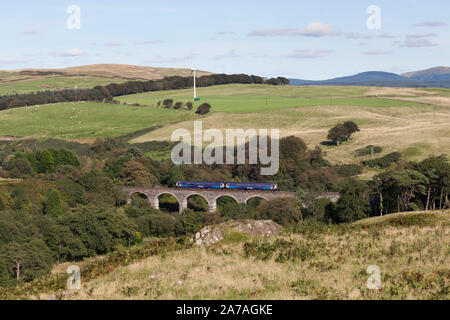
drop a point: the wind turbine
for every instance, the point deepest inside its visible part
(195, 85)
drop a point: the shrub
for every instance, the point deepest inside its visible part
(384, 162)
(367, 151)
(203, 109)
(189, 105)
(178, 105)
(167, 103)
(53, 205)
(349, 170)
(158, 225)
(283, 211)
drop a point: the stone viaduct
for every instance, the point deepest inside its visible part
(210, 195)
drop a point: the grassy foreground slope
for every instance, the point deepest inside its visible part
(411, 250)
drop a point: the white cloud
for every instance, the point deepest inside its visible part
(230, 54)
(69, 53)
(417, 40)
(309, 54)
(31, 32)
(160, 59)
(377, 52)
(112, 44)
(431, 24)
(149, 42)
(13, 61)
(224, 33)
(314, 29)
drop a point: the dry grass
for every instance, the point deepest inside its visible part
(385, 91)
(122, 71)
(416, 131)
(414, 262)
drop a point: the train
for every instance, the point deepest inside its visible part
(227, 185)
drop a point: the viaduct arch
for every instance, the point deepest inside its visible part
(210, 195)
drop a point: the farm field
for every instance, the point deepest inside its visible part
(53, 83)
(411, 250)
(388, 117)
(85, 120)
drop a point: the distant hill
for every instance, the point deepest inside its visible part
(122, 71)
(433, 74)
(436, 78)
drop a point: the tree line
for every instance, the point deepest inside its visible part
(108, 92)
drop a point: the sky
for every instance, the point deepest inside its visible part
(311, 40)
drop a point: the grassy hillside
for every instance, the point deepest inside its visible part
(317, 262)
(83, 76)
(414, 121)
(85, 120)
(53, 83)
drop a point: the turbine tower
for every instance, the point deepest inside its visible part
(195, 85)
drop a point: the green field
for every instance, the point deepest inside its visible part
(84, 120)
(262, 98)
(51, 83)
(418, 129)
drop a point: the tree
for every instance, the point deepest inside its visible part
(437, 170)
(63, 157)
(342, 132)
(352, 204)
(52, 205)
(203, 109)
(404, 184)
(135, 173)
(167, 103)
(45, 161)
(178, 105)
(284, 211)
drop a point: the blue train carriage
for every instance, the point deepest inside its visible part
(252, 186)
(200, 185)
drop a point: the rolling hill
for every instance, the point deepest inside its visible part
(433, 74)
(89, 76)
(435, 77)
(115, 71)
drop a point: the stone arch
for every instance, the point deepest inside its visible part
(255, 197)
(211, 202)
(138, 193)
(158, 195)
(227, 195)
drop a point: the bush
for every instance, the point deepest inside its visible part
(203, 109)
(283, 211)
(189, 105)
(178, 105)
(384, 162)
(156, 225)
(367, 151)
(237, 211)
(167, 103)
(349, 170)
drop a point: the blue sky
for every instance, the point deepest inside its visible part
(302, 39)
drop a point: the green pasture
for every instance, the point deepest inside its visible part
(262, 98)
(53, 83)
(85, 120)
